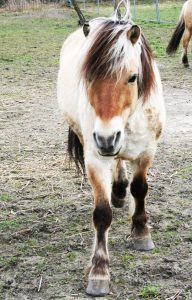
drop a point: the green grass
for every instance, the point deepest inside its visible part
(27, 247)
(31, 43)
(5, 197)
(126, 259)
(149, 292)
(10, 224)
(169, 12)
(6, 262)
(71, 256)
(185, 173)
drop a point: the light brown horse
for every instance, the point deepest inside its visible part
(184, 27)
(109, 90)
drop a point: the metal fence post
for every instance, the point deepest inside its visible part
(157, 11)
(134, 12)
(98, 7)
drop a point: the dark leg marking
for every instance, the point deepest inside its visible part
(119, 187)
(140, 230)
(102, 217)
(185, 60)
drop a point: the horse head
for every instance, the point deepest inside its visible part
(113, 72)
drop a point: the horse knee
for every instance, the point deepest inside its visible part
(139, 187)
(102, 217)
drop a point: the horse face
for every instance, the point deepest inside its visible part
(113, 102)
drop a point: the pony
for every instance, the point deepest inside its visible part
(184, 26)
(109, 90)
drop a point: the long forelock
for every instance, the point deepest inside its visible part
(110, 51)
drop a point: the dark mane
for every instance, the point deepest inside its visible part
(100, 62)
(147, 82)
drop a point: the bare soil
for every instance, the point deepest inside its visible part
(46, 208)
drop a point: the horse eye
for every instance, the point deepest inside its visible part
(132, 78)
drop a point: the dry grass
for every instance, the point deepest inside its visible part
(22, 5)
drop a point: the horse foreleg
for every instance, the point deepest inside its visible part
(120, 183)
(186, 39)
(99, 176)
(139, 187)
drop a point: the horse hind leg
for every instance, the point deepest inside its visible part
(120, 184)
(186, 40)
(139, 187)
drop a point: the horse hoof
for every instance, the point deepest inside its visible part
(144, 244)
(186, 65)
(98, 287)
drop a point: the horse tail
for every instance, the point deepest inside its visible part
(176, 37)
(75, 151)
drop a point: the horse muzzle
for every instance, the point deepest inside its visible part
(108, 145)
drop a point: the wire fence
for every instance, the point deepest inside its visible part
(144, 10)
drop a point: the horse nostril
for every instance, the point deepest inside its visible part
(99, 141)
(94, 136)
(118, 135)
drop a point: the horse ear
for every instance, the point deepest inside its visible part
(133, 34)
(86, 29)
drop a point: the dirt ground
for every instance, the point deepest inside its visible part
(45, 222)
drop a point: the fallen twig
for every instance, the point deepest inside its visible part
(40, 283)
(174, 297)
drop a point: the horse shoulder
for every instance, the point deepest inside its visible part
(145, 125)
(154, 109)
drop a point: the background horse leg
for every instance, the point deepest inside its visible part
(120, 183)
(139, 188)
(99, 175)
(186, 39)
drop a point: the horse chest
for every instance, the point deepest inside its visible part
(140, 137)
(136, 144)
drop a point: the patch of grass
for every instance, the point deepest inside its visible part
(27, 247)
(111, 242)
(6, 262)
(121, 221)
(10, 224)
(5, 197)
(145, 257)
(184, 173)
(155, 251)
(71, 256)
(126, 259)
(149, 292)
